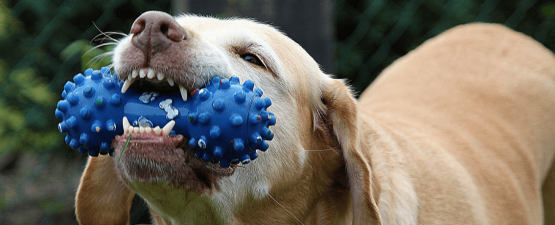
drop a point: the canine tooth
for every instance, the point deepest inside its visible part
(135, 73)
(136, 130)
(183, 92)
(127, 84)
(126, 124)
(141, 130)
(157, 130)
(168, 128)
(143, 72)
(151, 73)
(160, 76)
(148, 130)
(170, 81)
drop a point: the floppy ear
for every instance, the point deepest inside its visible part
(102, 198)
(340, 118)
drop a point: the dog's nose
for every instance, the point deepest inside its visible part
(154, 31)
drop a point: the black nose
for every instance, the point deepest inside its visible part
(155, 31)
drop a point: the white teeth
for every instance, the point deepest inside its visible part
(183, 92)
(157, 130)
(170, 81)
(165, 131)
(126, 124)
(168, 128)
(151, 74)
(135, 73)
(160, 76)
(143, 72)
(127, 84)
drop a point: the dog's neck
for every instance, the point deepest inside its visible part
(397, 199)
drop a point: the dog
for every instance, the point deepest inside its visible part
(461, 130)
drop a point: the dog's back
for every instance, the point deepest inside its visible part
(479, 102)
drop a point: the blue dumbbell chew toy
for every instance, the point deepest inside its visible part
(225, 122)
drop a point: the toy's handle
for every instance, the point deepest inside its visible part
(226, 121)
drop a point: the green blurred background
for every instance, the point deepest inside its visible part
(43, 43)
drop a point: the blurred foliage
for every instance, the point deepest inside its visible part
(43, 44)
(370, 35)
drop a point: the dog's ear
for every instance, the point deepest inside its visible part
(338, 119)
(102, 198)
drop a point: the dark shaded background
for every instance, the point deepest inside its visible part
(43, 43)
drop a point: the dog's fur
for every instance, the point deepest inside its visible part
(459, 131)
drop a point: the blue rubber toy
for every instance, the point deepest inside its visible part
(225, 122)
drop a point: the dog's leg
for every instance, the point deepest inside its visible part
(102, 198)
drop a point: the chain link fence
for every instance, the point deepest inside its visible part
(370, 35)
(43, 43)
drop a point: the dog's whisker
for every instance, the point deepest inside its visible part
(100, 57)
(109, 69)
(103, 45)
(106, 35)
(284, 208)
(116, 33)
(98, 46)
(97, 38)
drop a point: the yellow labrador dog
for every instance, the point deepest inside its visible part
(459, 131)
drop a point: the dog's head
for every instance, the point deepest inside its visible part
(313, 170)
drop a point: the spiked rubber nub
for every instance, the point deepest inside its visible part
(86, 118)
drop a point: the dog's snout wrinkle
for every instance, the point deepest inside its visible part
(155, 31)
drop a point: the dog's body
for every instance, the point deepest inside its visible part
(459, 131)
(470, 117)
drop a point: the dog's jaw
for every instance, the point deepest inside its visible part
(163, 160)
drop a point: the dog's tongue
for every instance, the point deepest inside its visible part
(143, 143)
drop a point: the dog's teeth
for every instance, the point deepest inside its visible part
(141, 130)
(148, 130)
(125, 123)
(143, 72)
(157, 130)
(130, 129)
(168, 128)
(136, 130)
(151, 74)
(160, 76)
(127, 84)
(183, 92)
(135, 73)
(170, 81)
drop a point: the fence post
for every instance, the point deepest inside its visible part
(308, 22)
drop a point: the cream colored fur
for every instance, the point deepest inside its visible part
(459, 131)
